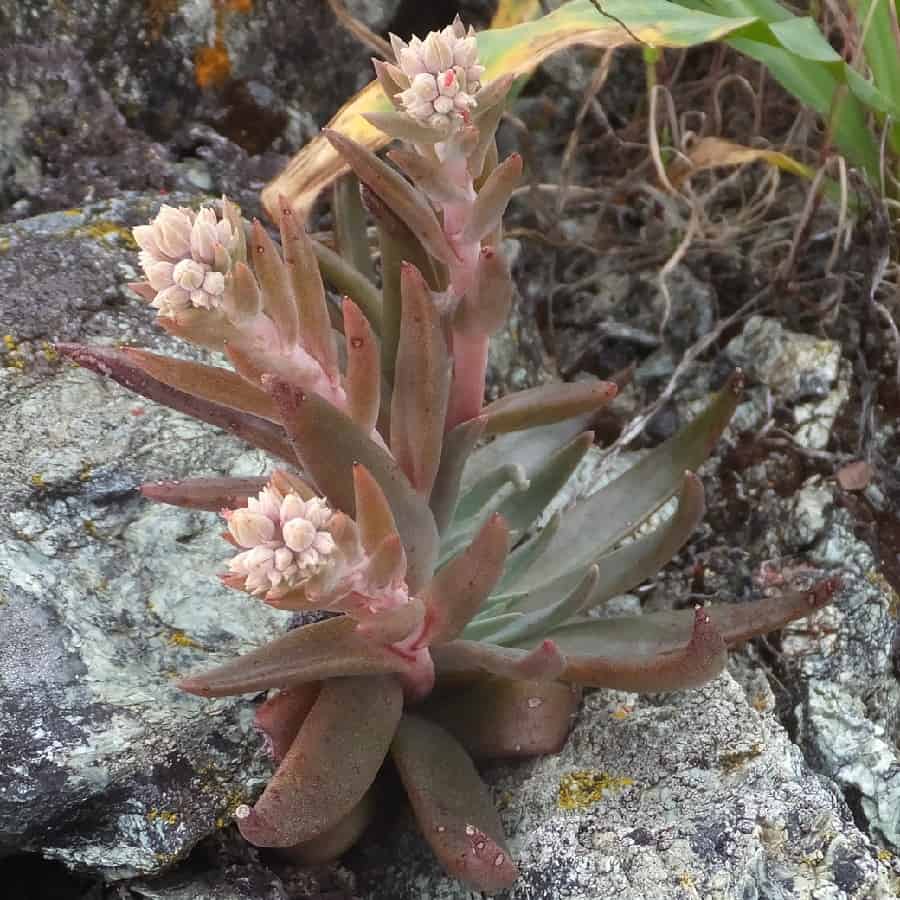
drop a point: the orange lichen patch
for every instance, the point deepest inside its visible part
(212, 67)
(241, 6)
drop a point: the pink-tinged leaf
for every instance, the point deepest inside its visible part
(421, 384)
(490, 204)
(469, 659)
(391, 78)
(485, 309)
(116, 365)
(452, 806)
(331, 764)
(387, 564)
(308, 292)
(144, 290)
(206, 328)
(212, 494)
(701, 660)
(373, 512)
(363, 379)
(498, 718)
(279, 718)
(393, 625)
(488, 119)
(546, 405)
(394, 190)
(588, 530)
(338, 839)
(455, 451)
(275, 287)
(460, 587)
(328, 649)
(669, 631)
(328, 444)
(212, 383)
(400, 126)
(428, 175)
(242, 298)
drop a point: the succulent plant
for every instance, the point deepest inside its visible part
(463, 625)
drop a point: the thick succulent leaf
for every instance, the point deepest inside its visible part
(546, 405)
(394, 625)
(526, 555)
(457, 446)
(699, 661)
(279, 718)
(328, 444)
(528, 450)
(306, 291)
(331, 764)
(350, 283)
(427, 174)
(338, 839)
(275, 288)
(459, 588)
(387, 563)
(552, 607)
(116, 365)
(395, 191)
(452, 805)
(492, 199)
(403, 127)
(485, 309)
(514, 51)
(421, 384)
(212, 494)
(482, 492)
(498, 718)
(668, 631)
(351, 227)
(521, 508)
(597, 523)
(362, 381)
(211, 383)
(373, 512)
(327, 649)
(466, 660)
(635, 562)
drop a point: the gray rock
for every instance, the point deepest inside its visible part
(148, 54)
(105, 598)
(850, 714)
(694, 794)
(798, 367)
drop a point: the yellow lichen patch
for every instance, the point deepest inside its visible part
(581, 789)
(49, 352)
(104, 230)
(86, 471)
(90, 528)
(885, 856)
(180, 639)
(878, 581)
(162, 815)
(686, 880)
(622, 712)
(71, 212)
(37, 481)
(5, 244)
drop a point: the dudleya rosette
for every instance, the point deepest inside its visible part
(408, 506)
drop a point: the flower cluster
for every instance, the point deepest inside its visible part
(185, 256)
(443, 72)
(285, 542)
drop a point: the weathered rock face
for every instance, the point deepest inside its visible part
(694, 794)
(160, 59)
(105, 598)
